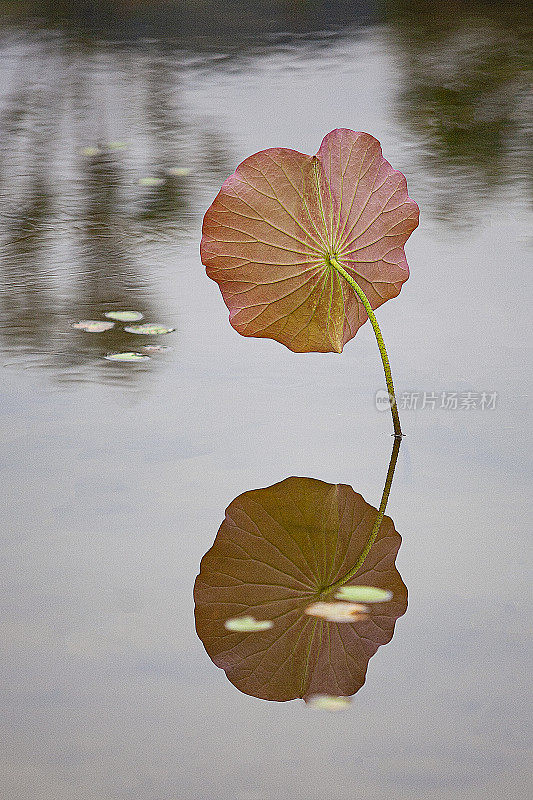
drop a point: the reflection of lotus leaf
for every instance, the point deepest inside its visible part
(278, 551)
(271, 231)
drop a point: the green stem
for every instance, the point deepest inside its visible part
(395, 422)
(377, 522)
(379, 338)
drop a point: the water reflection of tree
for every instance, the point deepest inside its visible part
(27, 298)
(466, 71)
(206, 25)
(76, 225)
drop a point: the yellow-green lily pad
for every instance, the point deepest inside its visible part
(90, 151)
(155, 348)
(363, 594)
(149, 181)
(148, 330)
(126, 357)
(124, 316)
(247, 624)
(338, 612)
(179, 172)
(93, 325)
(328, 702)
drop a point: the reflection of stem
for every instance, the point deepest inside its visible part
(395, 421)
(377, 522)
(379, 338)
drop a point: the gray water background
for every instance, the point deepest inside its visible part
(115, 477)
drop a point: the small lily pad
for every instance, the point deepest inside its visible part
(148, 330)
(93, 325)
(90, 151)
(149, 181)
(155, 348)
(126, 357)
(124, 316)
(247, 624)
(179, 172)
(328, 702)
(363, 594)
(337, 612)
(116, 145)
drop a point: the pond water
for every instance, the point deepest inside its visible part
(118, 123)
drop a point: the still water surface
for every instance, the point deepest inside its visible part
(115, 477)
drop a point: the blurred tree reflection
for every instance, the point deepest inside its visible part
(168, 133)
(466, 72)
(80, 211)
(203, 24)
(27, 300)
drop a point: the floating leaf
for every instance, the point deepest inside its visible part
(270, 233)
(337, 612)
(116, 145)
(328, 703)
(93, 325)
(126, 357)
(149, 330)
(151, 181)
(179, 172)
(90, 151)
(363, 594)
(247, 624)
(155, 348)
(277, 552)
(124, 316)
